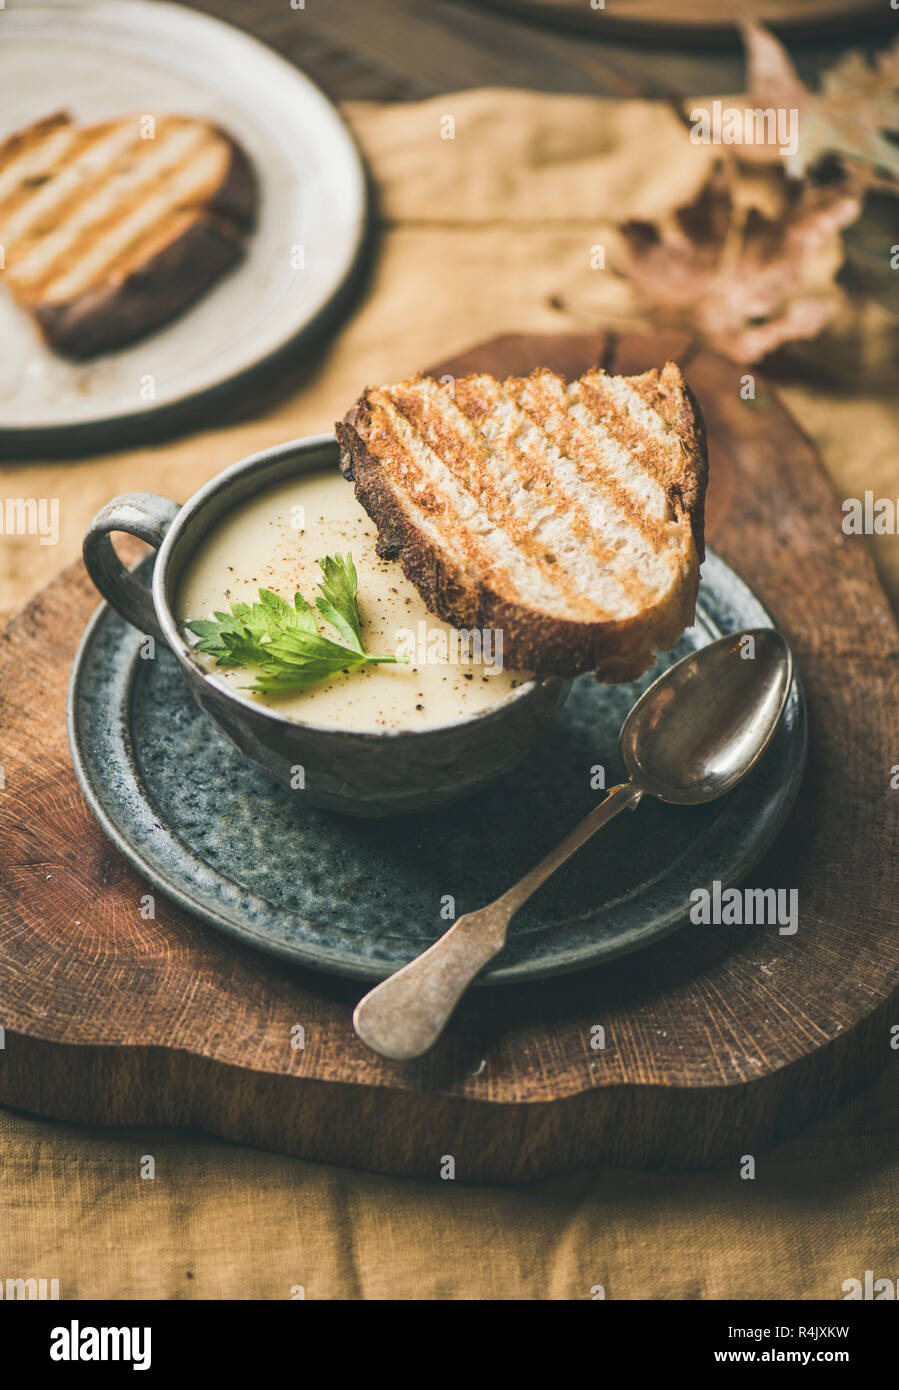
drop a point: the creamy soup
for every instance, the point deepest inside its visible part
(274, 542)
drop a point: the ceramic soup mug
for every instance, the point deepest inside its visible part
(356, 772)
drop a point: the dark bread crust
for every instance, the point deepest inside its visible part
(532, 640)
(698, 448)
(113, 316)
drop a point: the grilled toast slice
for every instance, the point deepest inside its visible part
(110, 230)
(570, 516)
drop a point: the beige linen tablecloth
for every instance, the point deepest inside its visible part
(220, 1221)
(485, 233)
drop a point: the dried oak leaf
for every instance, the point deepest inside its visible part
(851, 117)
(741, 279)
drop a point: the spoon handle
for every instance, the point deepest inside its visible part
(404, 1015)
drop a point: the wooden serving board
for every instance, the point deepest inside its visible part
(717, 1039)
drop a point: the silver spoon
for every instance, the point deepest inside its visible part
(689, 738)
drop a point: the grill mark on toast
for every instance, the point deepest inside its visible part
(390, 445)
(554, 406)
(466, 460)
(41, 174)
(110, 203)
(442, 492)
(613, 402)
(642, 398)
(94, 148)
(22, 143)
(623, 456)
(608, 504)
(101, 197)
(183, 188)
(47, 206)
(26, 163)
(554, 475)
(440, 418)
(174, 214)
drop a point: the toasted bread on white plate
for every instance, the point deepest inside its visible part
(110, 230)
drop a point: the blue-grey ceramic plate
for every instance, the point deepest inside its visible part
(215, 834)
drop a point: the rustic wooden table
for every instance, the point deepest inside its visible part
(404, 50)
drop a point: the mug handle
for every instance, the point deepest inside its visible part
(147, 516)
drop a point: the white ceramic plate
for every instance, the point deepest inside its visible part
(112, 57)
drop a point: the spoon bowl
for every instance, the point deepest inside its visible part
(701, 726)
